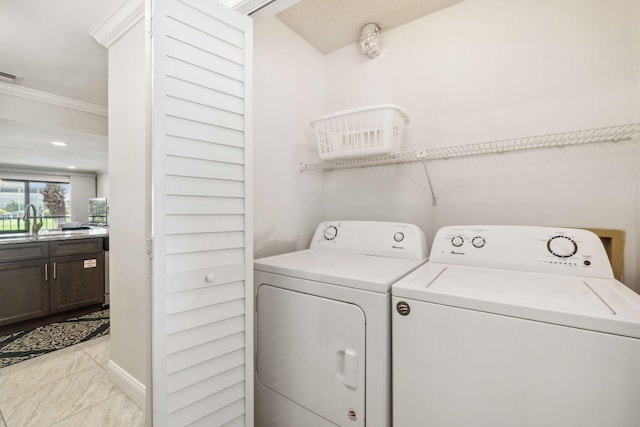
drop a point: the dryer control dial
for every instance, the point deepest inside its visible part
(330, 232)
(457, 241)
(478, 241)
(562, 246)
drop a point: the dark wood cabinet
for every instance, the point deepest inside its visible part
(75, 247)
(23, 251)
(24, 290)
(76, 281)
(41, 278)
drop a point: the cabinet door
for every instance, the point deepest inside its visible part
(24, 291)
(76, 281)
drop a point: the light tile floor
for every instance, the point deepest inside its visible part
(65, 388)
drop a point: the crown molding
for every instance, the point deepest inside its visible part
(50, 98)
(251, 7)
(118, 22)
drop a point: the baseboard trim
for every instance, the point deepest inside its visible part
(130, 386)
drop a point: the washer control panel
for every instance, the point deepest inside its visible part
(389, 239)
(569, 251)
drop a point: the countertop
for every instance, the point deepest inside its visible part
(49, 235)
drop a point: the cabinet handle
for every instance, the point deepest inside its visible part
(46, 272)
(54, 271)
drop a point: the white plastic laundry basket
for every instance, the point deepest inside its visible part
(360, 132)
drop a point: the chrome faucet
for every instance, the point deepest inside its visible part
(35, 225)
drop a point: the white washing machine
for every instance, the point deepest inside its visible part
(323, 349)
(515, 326)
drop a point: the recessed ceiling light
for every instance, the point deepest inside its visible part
(71, 167)
(59, 143)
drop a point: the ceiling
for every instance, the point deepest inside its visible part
(28, 145)
(332, 24)
(48, 45)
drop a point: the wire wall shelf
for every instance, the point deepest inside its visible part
(604, 134)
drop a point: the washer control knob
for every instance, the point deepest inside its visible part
(330, 232)
(398, 237)
(562, 246)
(478, 241)
(457, 241)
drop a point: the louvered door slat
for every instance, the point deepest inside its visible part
(202, 243)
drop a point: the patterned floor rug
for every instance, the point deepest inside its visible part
(25, 345)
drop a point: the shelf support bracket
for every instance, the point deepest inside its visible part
(421, 154)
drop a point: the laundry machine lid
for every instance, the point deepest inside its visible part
(370, 273)
(510, 287)
(596, 304)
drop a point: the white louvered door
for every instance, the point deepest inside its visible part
(202, 364)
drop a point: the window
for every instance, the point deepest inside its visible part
(51, 200)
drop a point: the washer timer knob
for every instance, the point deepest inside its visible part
(457, 241)
(398, 237)
(330, 232)
(478, 241)
(562, 246)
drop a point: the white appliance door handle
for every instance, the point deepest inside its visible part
(347, 367)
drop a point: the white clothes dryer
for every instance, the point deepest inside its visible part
(323, 349)
(515, 326)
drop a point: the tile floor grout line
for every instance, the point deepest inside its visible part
(81, 410)
(93, 358)
(36, 408)
(42, 385)
(77, 413)
(33, 391)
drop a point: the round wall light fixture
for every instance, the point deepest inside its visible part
(370, 40)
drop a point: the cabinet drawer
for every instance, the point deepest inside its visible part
(78, 246)
(23, 251)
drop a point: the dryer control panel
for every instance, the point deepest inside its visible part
(377, 238)
(568, 251)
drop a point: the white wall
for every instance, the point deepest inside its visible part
(83, 188)
(103, 185)
(485, 70)
(42, 113)
(129, 277)
(289, 90)
(635, 16)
